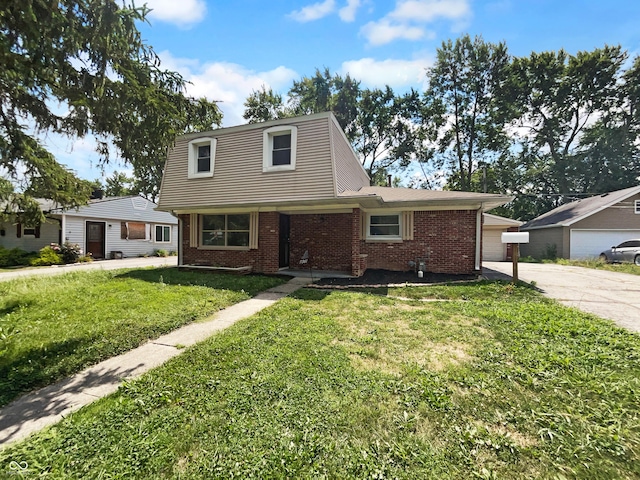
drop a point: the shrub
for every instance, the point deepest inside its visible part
(160, 253)
(85, 258)
(70, 252)
(14, 257)
(550, 252)
(49, 255)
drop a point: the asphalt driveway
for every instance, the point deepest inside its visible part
(611, 295)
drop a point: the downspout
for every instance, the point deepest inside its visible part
(478, 237)
(63, 229)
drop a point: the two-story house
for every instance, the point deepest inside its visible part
(263, 196)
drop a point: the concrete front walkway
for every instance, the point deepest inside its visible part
(47, 406)
(611, 295)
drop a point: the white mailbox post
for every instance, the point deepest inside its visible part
(515, 239)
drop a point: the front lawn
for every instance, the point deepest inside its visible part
(56, 326)
(483, 381)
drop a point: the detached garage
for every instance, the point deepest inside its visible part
(493, 250)
(584, 228)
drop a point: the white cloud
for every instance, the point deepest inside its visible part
(395, 73)
(348, 12)
(409, 19)
(430, 10)
(228, 83)
(314, 11)
(383, 32)
(182, 13)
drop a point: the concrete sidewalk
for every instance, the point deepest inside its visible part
(47, 406)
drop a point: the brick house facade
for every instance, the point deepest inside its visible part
(243, 205)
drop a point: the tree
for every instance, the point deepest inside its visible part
(385, 132)
(467, 108)
(119, 185)
(263, 105)
(87, 56)
(576, 121)
(323, 93)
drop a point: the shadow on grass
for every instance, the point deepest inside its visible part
(251, 283)
(36, 367)
(47, 404)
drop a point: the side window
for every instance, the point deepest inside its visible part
(384, 226)
(202, 152)
(637, 207)
(279, 148)
(626, 245)
(163, 233)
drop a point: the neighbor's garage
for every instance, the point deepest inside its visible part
(589, 243)
(493, 250)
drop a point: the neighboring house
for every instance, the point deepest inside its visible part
(291, 193)
(584, 228)
(493, 250)
(108, 227)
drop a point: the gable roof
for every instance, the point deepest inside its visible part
(410, 197)
(570, 213)
(131, 207)
(493, 220)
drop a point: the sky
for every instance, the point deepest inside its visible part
(227, 49)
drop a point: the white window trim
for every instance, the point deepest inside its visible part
(387, 238)
(155, 239)
(637, 207)
(267, 148)
(193, 156)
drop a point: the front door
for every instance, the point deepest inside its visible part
(285, 224)
(95, 239)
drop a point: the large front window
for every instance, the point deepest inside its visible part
(226, 230)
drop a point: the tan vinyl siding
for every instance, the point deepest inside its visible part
(620, 215)
(238, 177)
(349, 173)
(541, 240)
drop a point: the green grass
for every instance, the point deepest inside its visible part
(491, 381)
(56, 326)
(600, 265)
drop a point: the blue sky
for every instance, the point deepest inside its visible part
(227, 49)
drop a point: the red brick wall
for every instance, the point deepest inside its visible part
(327, 237)
(263, 260)
(447, 239)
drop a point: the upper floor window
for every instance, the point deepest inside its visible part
(637, 206)
(202, 153)
(279, 148)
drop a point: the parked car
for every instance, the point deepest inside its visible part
(628, 251)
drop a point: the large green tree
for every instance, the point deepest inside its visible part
(576, 123)
(78, 68)
(466, 108)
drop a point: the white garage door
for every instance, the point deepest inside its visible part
(493, 250)
(589, 243)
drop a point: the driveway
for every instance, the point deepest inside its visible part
(611, 295)
(140, 262)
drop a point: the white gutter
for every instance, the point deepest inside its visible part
(478, 236)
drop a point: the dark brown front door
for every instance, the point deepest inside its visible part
(95, 239)
(285, 223)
